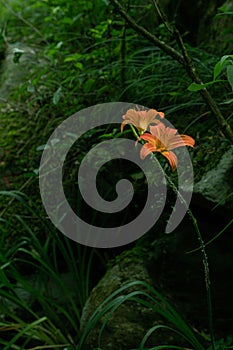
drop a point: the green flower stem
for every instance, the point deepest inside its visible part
(202, 247)
(134, 131)
(203, 251)
(204, 259)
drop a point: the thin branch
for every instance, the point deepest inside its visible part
(152, 38)
(162, 16)
(192, 72)
(184, 60)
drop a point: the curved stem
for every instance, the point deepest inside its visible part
(202, 248)
(204, 259)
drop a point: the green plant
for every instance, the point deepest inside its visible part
(144, 294)
(183, 58)
(44, 284)
(225, 62)
(160, 139)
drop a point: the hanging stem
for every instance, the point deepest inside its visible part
(202, 248)
(204, 259)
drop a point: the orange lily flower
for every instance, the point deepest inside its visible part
(163, 139)
(141, 119)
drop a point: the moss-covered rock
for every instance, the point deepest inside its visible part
(178, 276)
(215, 189)
(130, 321)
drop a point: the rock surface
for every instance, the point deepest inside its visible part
(15, 69)
(123, 330)
(178, 276)
(215, 189)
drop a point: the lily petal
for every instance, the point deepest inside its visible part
(172, 158)
(141, 119)
(147, 137)
(146, 149)
(180, 141)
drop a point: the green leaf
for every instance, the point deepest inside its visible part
(79, 65)
(227, 102)
(67, 20)
(195, 87)
(54, 141)
(137, 176)
(88, 85)
(74, 57)
(41, 147)
(218, 68)
(57, 96)
(174, 93)
(230, 75)
(225, 57)
(30, 87)
(198, 87)
(59, 45)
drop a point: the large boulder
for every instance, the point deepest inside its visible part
(164, 264)
(215, 189)
(127, 326)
